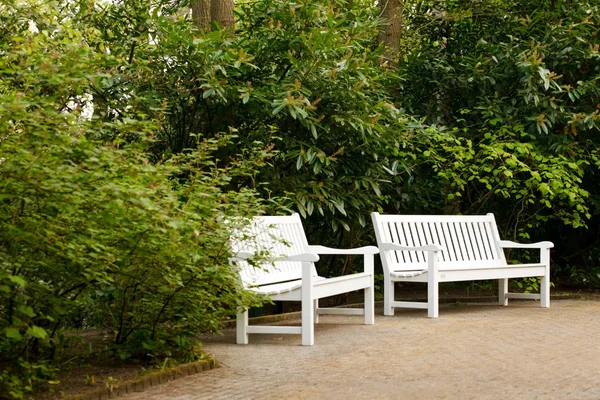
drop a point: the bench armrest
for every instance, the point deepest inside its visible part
(515, 245)
(358, 250)
(307, 257)
(394, 246)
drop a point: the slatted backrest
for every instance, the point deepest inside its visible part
(469, 241)
(272, 237)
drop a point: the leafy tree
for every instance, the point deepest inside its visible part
(301, 79)
(517, 82)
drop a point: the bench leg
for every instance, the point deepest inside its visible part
(388, 296)
(545, 283)
(369, 306)
(308, 322)
(545, 292)
(308, 306)
(316, 307)
(433, 285)
(502, 291)
(370, 291)
(433, 297)
(241, 327)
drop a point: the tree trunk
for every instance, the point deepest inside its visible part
(201, 14)
(389, 36)
(221, 12)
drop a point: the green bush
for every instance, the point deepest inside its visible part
(517, 83)
(93, 234)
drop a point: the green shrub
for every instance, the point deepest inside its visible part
(93, 234)
(516, 82)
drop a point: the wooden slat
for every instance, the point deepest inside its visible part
(442, 241)
(385, 236)
(413, 255)
(480, 232)
(448, 240)
(429, 230)
(422, 239)
(396, 239)
(417, 241)
(467, 240)
(490, 239)
(402, 240)
(458, 249)
(475, 242)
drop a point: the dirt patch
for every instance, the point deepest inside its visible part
(89, 368)
(78, 379)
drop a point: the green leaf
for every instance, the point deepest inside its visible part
(309, 207)
(299, 162)
(37, 332)
(313, 130)
(27, 311)
(17, 279)
(149, 344)
(12, 333)
(278, 108)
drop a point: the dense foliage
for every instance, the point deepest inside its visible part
(518, 84)
(128, 138)
(94, 235)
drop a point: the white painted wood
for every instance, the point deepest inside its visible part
(242, 321)
(490, 273)
(308, 315)
(342, 311)
(539, 245)
(534, 296)
(273, 258)
(369, 293)
(328, 250)
(388, 293)
(338, 286)
(545, 283)
(432, 285)
(449, 248)
(409, 304)
(275, 330)
(503, 291)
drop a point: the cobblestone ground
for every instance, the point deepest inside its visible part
(473, 351)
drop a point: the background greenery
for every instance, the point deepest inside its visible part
(128, 136)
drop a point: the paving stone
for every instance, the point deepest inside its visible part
(474, 351)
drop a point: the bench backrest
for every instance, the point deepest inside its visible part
(469, 241)
(275, 237)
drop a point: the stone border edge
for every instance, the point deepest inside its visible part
(147, 381)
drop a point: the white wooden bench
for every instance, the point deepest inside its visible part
(290, 275)
(442, 248)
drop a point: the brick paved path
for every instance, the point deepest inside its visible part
(474, 351)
